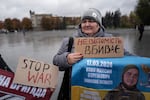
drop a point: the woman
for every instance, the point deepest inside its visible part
(90, 26)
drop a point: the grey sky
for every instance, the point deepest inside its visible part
(20, 8)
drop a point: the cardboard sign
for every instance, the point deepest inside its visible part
(12, 91)
(97, 78)
(99, 46)
(36, 73)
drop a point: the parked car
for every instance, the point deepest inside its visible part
(4, 31)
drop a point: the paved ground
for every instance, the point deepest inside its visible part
(43, 45)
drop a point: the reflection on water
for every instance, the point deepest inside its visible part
(37, 45)
(43, 45)
(131, 42)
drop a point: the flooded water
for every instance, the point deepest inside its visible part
(44, 45)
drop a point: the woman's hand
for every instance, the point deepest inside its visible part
(74, 57)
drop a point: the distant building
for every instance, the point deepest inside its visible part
(70, 22)
(36, 19)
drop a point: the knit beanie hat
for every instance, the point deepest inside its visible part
(93, 14)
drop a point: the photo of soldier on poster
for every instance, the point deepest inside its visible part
(127, 88)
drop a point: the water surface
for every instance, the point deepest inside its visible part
(44, 45)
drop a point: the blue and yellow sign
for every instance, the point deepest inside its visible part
(102, 78)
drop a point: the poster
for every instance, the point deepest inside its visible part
(94, 78)
(36, 73)
(12, 91)
(92, 47)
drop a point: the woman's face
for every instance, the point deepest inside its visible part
(89, 27)
(130, 77)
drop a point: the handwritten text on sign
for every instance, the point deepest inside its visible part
(100, 46)
(36, 73)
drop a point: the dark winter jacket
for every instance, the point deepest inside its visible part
(3, 65)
